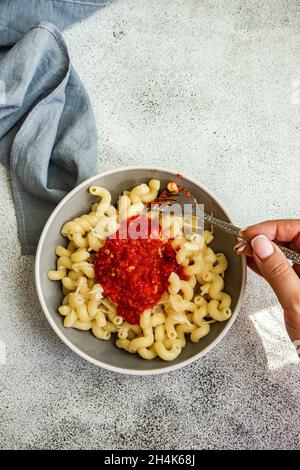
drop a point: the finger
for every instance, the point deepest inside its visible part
(292, 323)
(295, 244)
(252, 265)
(281, 230)
(243, 248)
(276, 269)
(297, 269)
(247, 250)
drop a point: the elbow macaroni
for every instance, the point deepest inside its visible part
(187, 309)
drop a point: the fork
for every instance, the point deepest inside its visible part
(184, 197)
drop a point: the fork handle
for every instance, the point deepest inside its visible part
(233, 230)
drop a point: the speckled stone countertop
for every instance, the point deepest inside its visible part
(211, 91)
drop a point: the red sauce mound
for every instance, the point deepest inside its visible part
(134, 271)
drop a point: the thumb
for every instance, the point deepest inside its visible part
(276, 269)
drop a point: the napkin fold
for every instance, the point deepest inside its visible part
(48, 136)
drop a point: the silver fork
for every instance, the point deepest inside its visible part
(186, 198)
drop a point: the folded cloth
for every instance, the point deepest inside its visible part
(47, 130)
(48, 135)
(18, 16)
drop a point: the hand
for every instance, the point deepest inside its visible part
(266, 259)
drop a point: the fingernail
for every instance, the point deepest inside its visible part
(262, 246)
(239, 247)
(241, 232)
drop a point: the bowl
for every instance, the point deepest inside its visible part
(105, 353)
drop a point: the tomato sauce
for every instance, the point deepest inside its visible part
(134, 270)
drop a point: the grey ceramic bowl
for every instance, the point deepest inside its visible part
(105, 353)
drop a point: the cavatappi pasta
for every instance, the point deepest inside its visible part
(186, 310)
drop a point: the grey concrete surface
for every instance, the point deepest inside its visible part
(211, 89)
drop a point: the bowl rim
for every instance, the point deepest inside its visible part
(69, 343)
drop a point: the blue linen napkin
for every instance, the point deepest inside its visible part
(48, 136)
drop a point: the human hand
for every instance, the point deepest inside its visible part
(266, 259)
